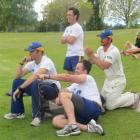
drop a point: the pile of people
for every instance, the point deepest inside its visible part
(81, 100)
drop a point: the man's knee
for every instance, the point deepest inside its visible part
(56, 121)
(18, 81)
(59, 121)
(34, 86)
(35, 83)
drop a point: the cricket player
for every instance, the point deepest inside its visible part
(108, 58)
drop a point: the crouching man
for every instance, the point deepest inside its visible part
(81, 102)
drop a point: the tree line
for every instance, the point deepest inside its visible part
(20, 16)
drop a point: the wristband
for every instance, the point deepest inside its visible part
(21, 90)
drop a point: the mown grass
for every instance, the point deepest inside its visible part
(120, 124)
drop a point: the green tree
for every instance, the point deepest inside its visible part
(96, 20)
(3, 13)
(54, 14)
(126, 10)
(102, 8)
(17, 14)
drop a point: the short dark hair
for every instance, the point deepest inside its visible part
(75, 12)
(87, 65)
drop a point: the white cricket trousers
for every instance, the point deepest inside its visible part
(112, 92)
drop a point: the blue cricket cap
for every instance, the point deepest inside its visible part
(106, 33)
(34, 46)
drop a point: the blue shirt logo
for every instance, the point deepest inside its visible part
(78, 92)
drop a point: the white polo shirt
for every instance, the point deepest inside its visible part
(112, 55)
(45, 63)
(87, 90)
(75, 49)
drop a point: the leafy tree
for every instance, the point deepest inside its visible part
(17, 14)
(96, 20)
(3, 7)
(102, 8)
(54, 14)
(126, 10)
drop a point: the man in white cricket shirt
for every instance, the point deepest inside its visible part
(108, 58)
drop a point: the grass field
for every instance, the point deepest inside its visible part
(120, 124)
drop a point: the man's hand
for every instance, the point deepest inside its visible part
(41, 76)
(91, 55)
(68, 39)
(16, 94)
(57, 101)
(89, 52)
(63, 39)
(25, 60)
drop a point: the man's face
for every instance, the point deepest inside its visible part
(105, 41)
(79, 69)
(33, 54)
(71, 17)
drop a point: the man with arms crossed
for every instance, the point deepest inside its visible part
(73, 37)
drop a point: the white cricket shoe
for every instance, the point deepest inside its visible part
(11, 116)
(36, 122)
(93, 127)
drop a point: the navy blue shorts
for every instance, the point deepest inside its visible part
(85, 109)
(71, 62)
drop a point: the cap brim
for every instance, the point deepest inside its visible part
(102, 36)
(27, 49)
